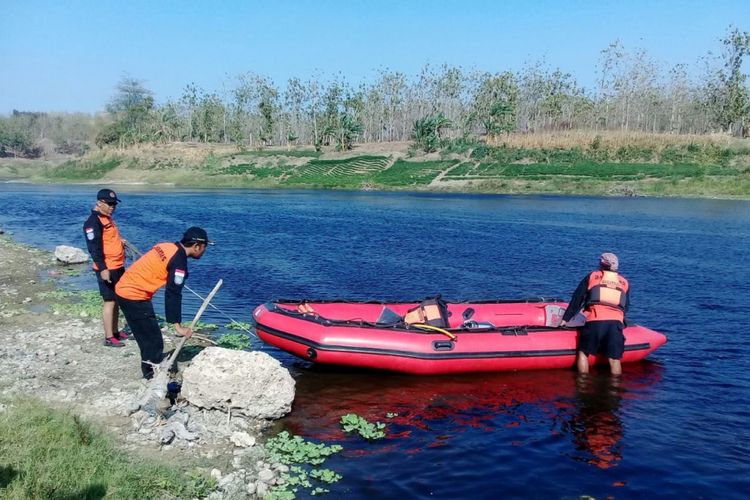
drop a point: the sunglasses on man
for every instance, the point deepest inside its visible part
(110, 203)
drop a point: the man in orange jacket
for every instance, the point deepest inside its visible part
(165, 264)
(604, 296)
(107, 250)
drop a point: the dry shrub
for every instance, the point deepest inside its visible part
(607, 139)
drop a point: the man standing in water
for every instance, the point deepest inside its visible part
(604, 297)
(165, 263)
(107, 251)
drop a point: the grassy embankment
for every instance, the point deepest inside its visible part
(47, 453)
(572, 163)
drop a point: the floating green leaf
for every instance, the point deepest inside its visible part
(353, 422)
(300, 455)
(238, 341)
(238, 325)
(80, 303)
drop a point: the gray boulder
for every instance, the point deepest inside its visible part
(70, 255)
(253, 384)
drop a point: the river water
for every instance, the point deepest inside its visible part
(673, 426)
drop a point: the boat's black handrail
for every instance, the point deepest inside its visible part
(361, 323)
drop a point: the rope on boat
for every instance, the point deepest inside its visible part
(425, 326)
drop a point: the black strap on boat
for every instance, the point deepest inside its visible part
(515, 330)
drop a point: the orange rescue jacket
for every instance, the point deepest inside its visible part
(104, 242)
(147, 274)
(607, 296)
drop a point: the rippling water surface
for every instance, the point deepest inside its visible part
(674, 426)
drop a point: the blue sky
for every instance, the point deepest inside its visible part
(69, 55)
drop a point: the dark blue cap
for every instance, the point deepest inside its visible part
(195, 234)
(107, 195)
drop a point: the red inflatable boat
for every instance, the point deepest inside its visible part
(407, 337)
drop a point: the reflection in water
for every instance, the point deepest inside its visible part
(435, 411)
(596, 426)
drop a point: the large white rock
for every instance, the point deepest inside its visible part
(70, 255)
(253, 383)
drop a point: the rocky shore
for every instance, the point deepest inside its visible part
(61, 360)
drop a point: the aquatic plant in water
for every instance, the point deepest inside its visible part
(301, 455)
(353, 422)
(238, 341)
(87, 304)
(238, 325)
(198, 328)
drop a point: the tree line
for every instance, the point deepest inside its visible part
(632, 93)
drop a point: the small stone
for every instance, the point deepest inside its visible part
(242, 439)
(216, 474)
(226, 480)
(266, 475)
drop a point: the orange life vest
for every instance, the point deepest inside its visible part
(429, 312)
(607, 296)
(112, 246)
(147, 274)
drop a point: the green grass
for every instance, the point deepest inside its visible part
(698, 154)
(52, 454)
(251, 170)
(412, 173)
(461, 170)
(80, 170)
(344, 173)
(612, 171)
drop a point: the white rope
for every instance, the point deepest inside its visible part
(237, 323)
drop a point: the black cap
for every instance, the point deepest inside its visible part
(195, 234)
(107, 195)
